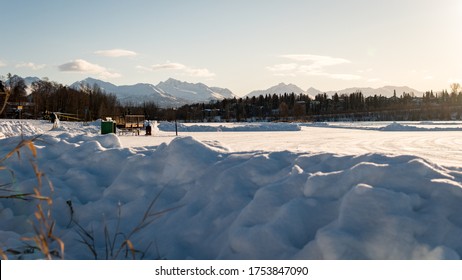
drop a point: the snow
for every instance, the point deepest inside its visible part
(13, 128)
(193, 92)
(279, 89)
(244, 191)
(170, 126)
(171, 93)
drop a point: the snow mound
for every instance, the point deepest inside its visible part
(78, 127)
(9, 128)
(169, 126)
(401, 127)
(387, 208)
(238, 205)
(394, 126)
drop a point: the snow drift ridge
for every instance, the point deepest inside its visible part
(254, 205)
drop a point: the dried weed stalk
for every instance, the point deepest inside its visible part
(118, 245)
(44, 239)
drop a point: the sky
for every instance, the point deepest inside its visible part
(242, 45)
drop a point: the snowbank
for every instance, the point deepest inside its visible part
(393, 126)
(237, 205)
(9, 128)
(169, 126)
(402, 127)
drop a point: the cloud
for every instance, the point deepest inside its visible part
(336, 76)
(80, 65)
(311, 65)
(285, 74)
(368, 70)
(143, 68)
(2, 64)
(199, 72)
(169, 65)
(190, 71)
(316, 61)
(31, 65)
(116, 53)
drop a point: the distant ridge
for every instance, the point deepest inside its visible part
(387, 91)
(281, 88)
(171, 93)
(175, 93)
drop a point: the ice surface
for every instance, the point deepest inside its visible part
(230, 203)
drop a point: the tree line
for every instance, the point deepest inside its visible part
(353, 106)
(90, 102)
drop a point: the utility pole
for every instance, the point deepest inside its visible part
(176, 126)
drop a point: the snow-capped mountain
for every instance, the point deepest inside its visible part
(193, 92)
(135, 94)
(27, 81)
(386, 91)
(171, 93)
(105, 86)
(313, 92)
(277, 89)
(389, 90)
(175, 93)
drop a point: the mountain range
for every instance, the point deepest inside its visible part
(387, 91)
(171, 93)
(174, 93)
(281, 88)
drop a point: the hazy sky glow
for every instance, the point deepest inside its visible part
(240, 44)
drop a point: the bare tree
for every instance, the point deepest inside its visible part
(283, 110)
(17, 88)
(455, 87)
(4, 96)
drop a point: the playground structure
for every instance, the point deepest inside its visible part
(62, 116)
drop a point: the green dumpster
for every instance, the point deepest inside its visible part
(108, 127)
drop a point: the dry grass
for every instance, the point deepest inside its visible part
(4, 187)
(6, 95)
(44, 239)
(118, 244)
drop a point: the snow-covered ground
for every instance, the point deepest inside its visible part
(243, 191)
